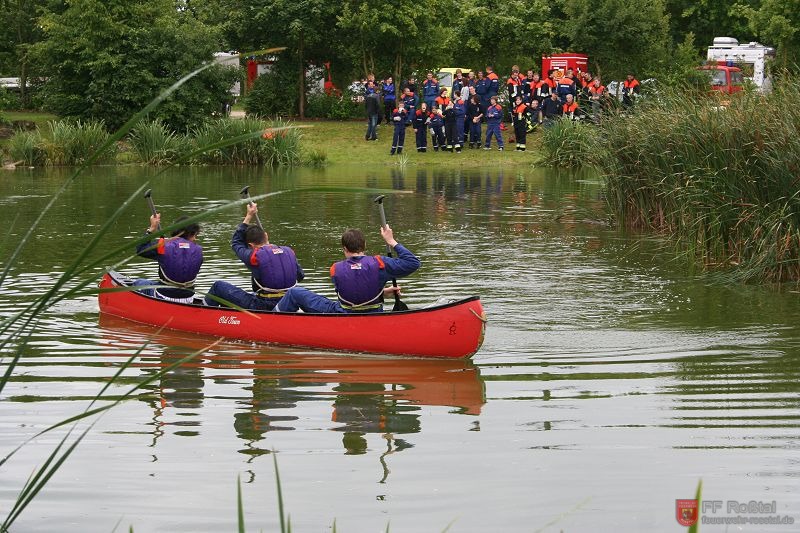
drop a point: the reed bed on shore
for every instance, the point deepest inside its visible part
(720, 177)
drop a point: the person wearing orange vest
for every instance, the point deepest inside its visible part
(519, 117)
(597, 97)
(442, 100)
(630, 90)
(570, 108)
(494, 117)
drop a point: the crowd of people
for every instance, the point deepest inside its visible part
(359, 279)
(454, 117)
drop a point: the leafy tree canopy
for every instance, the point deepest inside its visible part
(108, 59)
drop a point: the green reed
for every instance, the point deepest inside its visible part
(27, 147)
(569, 143)
(721, 178)
(275, 145)
(153, 143)
(73, 142)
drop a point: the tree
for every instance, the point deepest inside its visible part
(707, 19)
(776, 22)
(18, 33)
(618, 35)
(107, 59)
(399, 39)
(303, 26)
(505, 33)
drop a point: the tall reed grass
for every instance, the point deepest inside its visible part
(277, 145)
(569, 143)
(27, 146)
(722, 180)
(73, 142)
(153, 143)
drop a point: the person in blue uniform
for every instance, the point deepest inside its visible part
(494, 116)
(420, 125)
(436, 126)
(389, 98)
(273, 269)
(460, 108)
(430, 89)
(410, 103)
(179, 260)
(481, 88)
(359, 279)
(399, 119)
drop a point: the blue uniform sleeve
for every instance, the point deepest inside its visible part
(239, 245)
(403, 265)
(300, 274)
(148, 250)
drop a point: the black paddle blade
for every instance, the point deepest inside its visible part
(399, 305)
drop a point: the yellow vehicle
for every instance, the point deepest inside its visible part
(446, 77)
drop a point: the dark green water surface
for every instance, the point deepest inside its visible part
(610, 382)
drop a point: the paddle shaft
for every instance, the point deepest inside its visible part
(246, 194)
(388, 250)
(149, 197)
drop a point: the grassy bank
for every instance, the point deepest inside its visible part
(344, 143)
(319, 142)
(722, 179)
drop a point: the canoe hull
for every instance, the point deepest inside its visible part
(453, 330)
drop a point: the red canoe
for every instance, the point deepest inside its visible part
(454, 330)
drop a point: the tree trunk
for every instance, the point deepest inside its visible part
(302, 84)
(23, 67)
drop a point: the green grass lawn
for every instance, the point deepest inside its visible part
(40, 118)
(343, 143)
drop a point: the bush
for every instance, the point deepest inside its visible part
(153, 143)
(273, 94)
(333, 107)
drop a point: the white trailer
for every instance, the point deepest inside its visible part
(751, 58)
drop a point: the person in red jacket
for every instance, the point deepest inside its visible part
(630, 90)
(570, 108)
(519, 117)
(597, 97)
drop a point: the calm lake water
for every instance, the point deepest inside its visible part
(610, 382)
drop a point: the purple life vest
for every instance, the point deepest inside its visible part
(358, 282)
(274, 269)
(179, 262)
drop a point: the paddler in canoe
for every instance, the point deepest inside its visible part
(179, 259)
(273, 268)
(359, 279)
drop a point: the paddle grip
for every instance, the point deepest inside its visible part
(246, 194)
(152, 207)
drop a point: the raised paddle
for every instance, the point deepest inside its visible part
(245, 192)
(148, 194)
(398, 304)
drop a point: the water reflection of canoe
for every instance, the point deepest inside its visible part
(453, 330)
(415, 382)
